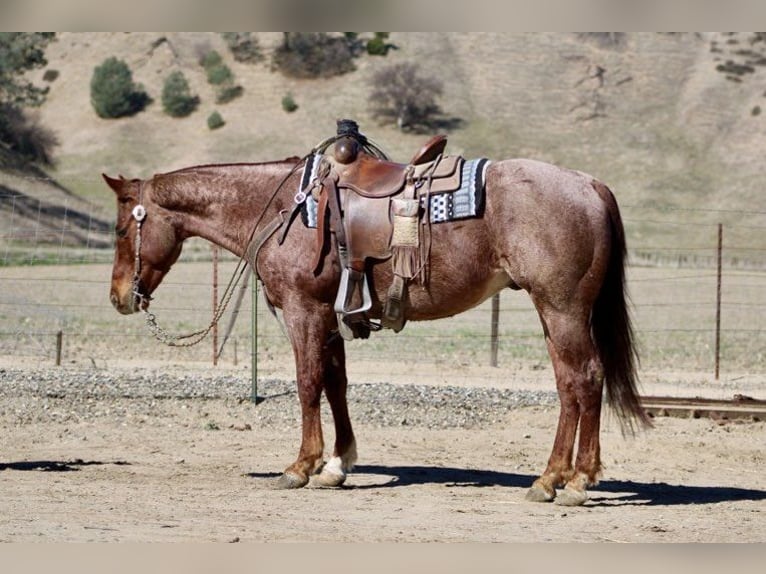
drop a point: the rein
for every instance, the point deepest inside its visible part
(254, 245)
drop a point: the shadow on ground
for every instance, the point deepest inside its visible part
(607, 493)
(55, 465)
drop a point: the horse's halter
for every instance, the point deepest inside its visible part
(255, 243)
(139, 214)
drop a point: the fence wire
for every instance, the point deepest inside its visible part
(55, 271)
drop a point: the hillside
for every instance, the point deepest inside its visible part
(648, 113)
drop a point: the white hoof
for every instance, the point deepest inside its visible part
(332, 474)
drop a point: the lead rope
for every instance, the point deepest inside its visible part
(190, 339)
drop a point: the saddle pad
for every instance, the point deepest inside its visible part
(468, 201)
(309, 207)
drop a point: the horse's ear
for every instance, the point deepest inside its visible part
(115, 184)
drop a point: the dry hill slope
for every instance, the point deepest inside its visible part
(648, 113)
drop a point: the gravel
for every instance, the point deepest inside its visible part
(71, 395)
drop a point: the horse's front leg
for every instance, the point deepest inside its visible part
(335, 385)
(309, 328)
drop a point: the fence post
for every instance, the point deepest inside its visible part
(718, 304)
(59, 342)
(215, 304)
(494, 322)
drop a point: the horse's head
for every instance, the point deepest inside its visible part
(146, 246)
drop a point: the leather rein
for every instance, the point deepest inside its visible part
(254, 245)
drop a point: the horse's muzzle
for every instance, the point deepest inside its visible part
(126, 304)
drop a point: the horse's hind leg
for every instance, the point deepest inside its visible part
(579, 380)
(344, 454)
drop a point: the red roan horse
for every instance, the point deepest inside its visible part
(553, 232)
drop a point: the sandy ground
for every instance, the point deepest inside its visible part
(160, 471)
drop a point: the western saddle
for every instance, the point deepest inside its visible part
(375, 210)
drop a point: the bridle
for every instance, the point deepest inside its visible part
(139, 214)
(254, 245)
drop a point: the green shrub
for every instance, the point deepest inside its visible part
(378, 46)
(112, 91)
(288, 104)
(215, 121)
(227, 93)
(177, 99)
(221, 76)
(211, 59)
(50, 75)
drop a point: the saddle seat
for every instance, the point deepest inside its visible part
(372, 177)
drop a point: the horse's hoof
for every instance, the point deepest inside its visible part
(539, 494)
(571, 497)
(290, 480)
(332, 474)
(327, 479)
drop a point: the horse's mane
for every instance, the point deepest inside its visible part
(292, 160)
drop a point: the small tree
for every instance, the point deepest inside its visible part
(314, 55)
(112, 91)
(220, 76)
(19, 53)
(22, 134)
(243, 46)
(402, 96)
(177, 99)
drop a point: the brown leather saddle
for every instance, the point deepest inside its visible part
(374, 208)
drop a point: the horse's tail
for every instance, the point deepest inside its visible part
(612, 329)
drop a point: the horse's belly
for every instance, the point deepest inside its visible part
(463, 271)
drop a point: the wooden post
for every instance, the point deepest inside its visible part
(718, 304)
(59, 343)
(494, 322)
(215, 304)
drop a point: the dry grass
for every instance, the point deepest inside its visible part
(674, 312)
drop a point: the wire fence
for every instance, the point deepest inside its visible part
(55, 272)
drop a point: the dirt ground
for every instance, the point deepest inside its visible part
(160, 471)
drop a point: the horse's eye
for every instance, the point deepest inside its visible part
(121, 232)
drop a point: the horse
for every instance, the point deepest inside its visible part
(554, 232)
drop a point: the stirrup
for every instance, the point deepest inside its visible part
(344, 293)
(352, 327)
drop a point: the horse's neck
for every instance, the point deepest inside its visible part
(223, 204)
